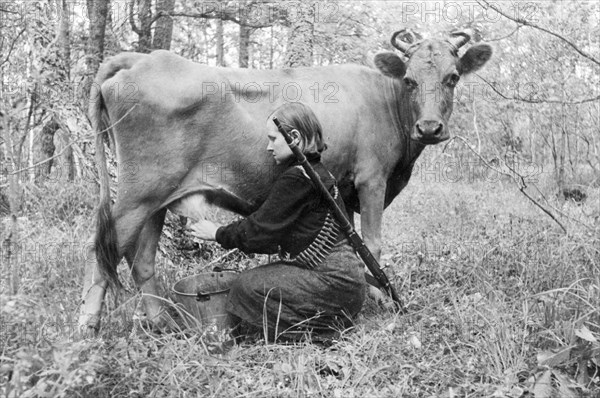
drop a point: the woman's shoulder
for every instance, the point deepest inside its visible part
(295, 172)
(299, 175)
(294, 178)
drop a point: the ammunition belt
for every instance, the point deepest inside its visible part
(321, 246)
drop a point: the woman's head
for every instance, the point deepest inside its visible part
(301, 122)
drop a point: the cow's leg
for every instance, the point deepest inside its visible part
(142, 261)
(92, 296)
(128, 224)
(371, 195)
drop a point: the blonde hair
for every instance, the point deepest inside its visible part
(296, 115)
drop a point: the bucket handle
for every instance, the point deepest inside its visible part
(202, 296)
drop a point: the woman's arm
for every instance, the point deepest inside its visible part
(264, 229)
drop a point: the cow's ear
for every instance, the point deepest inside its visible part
(474, 58)
(390, 65)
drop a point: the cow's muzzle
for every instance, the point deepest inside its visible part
(430, 131)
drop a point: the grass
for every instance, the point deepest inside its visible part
(502, 304)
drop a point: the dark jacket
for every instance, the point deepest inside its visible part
(289, 219)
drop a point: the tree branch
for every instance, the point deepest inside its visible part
(12, 45)
(516, 177)
(131, 20)
(32, 106)
(530, 24)
(45, 160)
(214, 15)
(533, 101)
(505, 37)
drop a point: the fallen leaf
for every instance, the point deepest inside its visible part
(585, 334)
(554, 358)
(390, 327)
(72, 123)
(414, 341)
(516, 392)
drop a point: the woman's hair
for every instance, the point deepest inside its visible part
(296, 115)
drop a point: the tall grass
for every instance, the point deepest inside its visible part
(501, 303)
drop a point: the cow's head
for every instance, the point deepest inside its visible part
(429, 76)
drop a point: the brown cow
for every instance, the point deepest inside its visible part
(188, 135)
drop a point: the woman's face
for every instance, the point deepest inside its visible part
(277, 146)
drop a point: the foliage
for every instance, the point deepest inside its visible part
(501, 302)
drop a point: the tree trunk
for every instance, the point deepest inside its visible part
(11, 240)
(94, 51)
(70, 161)
(63, 70)
(64, 44)
(48, 148)
(163, 32)
(244, 43)
(30, 161)
(144, 27)
(560, 173)
(220, 49)
(300, 36)
(532, 146)
(64, 40)
(271, 49)
(98, 9)
(558, 157)
(206, 43)
(244, 46)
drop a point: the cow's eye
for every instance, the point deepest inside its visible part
(410, 82)
(453, 80)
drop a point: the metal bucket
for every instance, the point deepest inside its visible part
(204, 296)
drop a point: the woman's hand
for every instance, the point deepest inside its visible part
(204, 229)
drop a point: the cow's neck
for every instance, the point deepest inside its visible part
(402, 115)
(408, 150)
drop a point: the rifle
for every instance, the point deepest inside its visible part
(355, 240)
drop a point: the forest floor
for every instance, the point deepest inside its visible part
(502, 303)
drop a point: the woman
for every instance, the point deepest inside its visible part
(318, 285)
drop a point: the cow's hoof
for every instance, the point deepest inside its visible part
(88, 326)
(86, 332)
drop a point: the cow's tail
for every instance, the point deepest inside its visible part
(105, 242)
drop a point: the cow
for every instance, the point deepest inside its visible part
(187, 136)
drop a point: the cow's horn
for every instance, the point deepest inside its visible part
(460, 38)
(406, 40)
